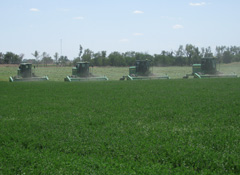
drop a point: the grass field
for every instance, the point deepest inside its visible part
(113, 73)
(120, 127)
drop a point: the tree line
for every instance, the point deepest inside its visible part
(184, 56)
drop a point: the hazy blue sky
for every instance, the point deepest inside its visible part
(116, 25)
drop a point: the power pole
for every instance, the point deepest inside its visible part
(61, 46)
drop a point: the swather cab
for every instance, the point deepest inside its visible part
(141, 71)
(208, 69)
(25, 73)
(81, 73)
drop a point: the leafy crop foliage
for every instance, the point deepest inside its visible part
(132, 127)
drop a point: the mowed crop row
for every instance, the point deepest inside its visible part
(113, 73)
(132, 127)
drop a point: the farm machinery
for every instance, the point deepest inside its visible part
(25, 73)
(81, 73)
(208, 69)
(141, 71)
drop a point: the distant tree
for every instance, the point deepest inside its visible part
(219, 52)
(46, 59)
(21, 55)
(116, 59)
(164, 59)
(130, 58)
(202, 53)
(11, 58)
(197, 55)
(189, 53)
(80, 52)
(235, 51)
(180, 51)
(8, 57)
(105, 60)
(208, 52)
(87, 55)
(56, 56)
(100, 59)
(97, 59)
(1, 58)
(63, 60)
(193, 54)
(33, 61)
(236, 57)
(180, 56)
(78, 59)
(143, 56)
(37, 55)
(227, 57)
(75, 60)
(160, 59)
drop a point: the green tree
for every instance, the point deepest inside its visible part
(189, 53)
(100, 59)
(105, 61)
(193, 54)
(227, 57)
(180, 58)
(78, 59)
(130, 58)
(235, 51)
(1, 58)
(197, 55)
(116, 59)
(87, 55)
(208, 52)
(143, 56)
(37, 55)
(159, 59)
(164, 59)
(97, 59)
(46, 59)
(56, 56)
(219, 52)
(8, 57)
(11, 58)
(180, 52)
(63, 60)
(80, 52)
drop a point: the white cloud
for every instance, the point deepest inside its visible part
(138, 34)
(138, 12)
(34, 9)
(197, 4)
(124, 40)
(79, 18)
(178, 26)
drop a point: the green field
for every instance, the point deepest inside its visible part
(120, 127)
(113, 73)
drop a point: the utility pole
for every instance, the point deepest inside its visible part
(61, 46)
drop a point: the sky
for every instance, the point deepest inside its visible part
(148, 26)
